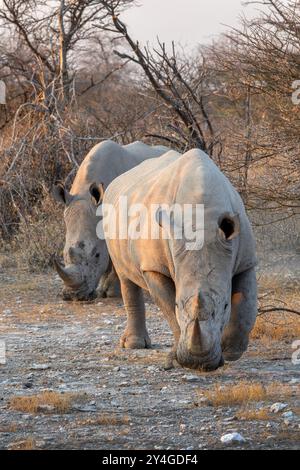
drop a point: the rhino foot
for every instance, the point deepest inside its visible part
(131, 341)
(170, 361)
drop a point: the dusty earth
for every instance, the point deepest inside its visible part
(124, 399)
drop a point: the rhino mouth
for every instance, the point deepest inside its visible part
(76, 286)
(206, 363)
(71, 295)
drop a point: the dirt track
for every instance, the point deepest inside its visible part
(124, 399)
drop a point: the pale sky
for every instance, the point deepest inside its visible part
(189, 22)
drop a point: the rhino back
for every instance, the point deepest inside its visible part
(107, 160)
(185, 179)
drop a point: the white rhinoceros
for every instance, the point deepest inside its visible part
(207, 295)
(85, 255)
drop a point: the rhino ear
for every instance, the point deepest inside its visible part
(97, 192)
(229, 226)
(60, 194)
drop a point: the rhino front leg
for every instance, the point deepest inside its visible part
(162, 290)
(235, 337)
(135, 335)
(109, 285)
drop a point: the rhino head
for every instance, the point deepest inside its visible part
(203, 290)
(85, 255)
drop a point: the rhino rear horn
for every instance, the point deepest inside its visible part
(70, 275)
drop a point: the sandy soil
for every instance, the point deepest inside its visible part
(124, 399)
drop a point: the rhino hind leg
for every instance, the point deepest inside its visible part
(135, 335)
(162, 291)
(243, 314)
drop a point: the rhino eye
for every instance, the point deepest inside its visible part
(97, 255)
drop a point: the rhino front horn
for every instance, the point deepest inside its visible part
(70, 274)
(194, 339)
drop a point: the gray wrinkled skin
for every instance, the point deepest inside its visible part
(208, 296)
(86, 258)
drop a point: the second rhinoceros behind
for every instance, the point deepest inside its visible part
(85, 255)
(208, 295)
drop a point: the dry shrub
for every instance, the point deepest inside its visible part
(61, 402)
(26, 444)
(273, 327)
(7, 260)
(242, 392)
(13, 427)
(40, 235)
(105, 419)
(254, 415)
(245, 392)
(277, 390)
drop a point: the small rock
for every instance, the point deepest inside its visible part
(27, 385)
(85, 408)
(203, 400)
(46, 408)
(232, 438)
(7, 311)
(276, 407)
(229, 419)
(40, 367)
(180, 402)
(191, 378)
(40, 443)
(288, 415)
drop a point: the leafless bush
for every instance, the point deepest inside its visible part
(40, 235)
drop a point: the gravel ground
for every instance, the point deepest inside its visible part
(124, 399)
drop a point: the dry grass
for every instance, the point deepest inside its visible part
(290, 437)
(254, 415)
(26, 444)
(245, 392)
(105, 419)
(39, 236)
(273, 327)
(9, 427)
(7, 261)
(61, 402)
